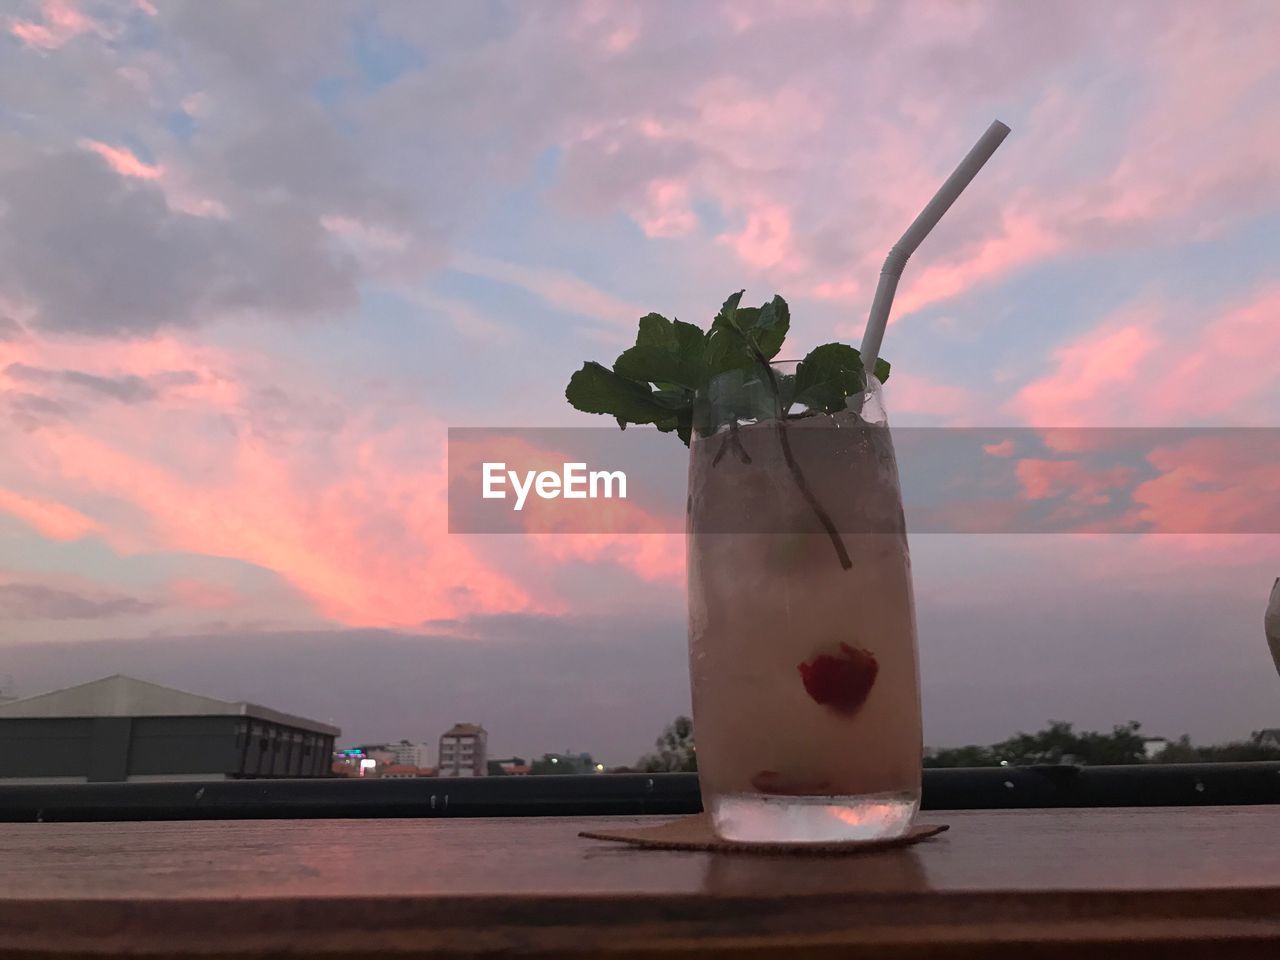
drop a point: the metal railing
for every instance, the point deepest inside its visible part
(1191, 784)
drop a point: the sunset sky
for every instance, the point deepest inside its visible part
(256, 258)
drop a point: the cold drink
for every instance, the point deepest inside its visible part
(802, 636)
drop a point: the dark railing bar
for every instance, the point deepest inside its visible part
(1192, 784)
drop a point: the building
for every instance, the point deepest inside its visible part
(120, 728)
(409, 754)
(401, 771)
(509, 767)
(462, 751)
(379, 753)
(405, 753)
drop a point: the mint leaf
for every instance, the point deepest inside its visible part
(762, 328)
(657, 380)
(730, 306)
(827, 376)
(741, 336)
(773, 321)
(666, 352)
(597, 389)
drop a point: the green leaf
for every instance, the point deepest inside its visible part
(665, 352)
(657, 380)
(730, 306)
(772, 324)
(762, 328)
(725, 350)
(597, 389)
(828, 375)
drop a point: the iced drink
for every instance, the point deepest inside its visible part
(802, 650)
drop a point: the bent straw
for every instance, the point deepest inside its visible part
(919, 229)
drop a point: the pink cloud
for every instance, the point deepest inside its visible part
(1127, 371)
(367, 547)
(1022, 239)
(1215, 483)
(843, 289)
(365, 234)
(60, 22)
(203, 468)
(666, 211)
(1045, 479)
(1087, 374)
(908, 393)
(179, 193)
(124, 161)
(557, 287)
(47, 517)
(765, 240)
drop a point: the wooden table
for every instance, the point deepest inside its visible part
(1162, 882)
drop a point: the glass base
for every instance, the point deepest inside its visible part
(757, 818)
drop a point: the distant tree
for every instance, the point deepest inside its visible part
(1123, 745)
(1178, 751)
(562, 764)
(1059, 743)
(1257, 747)
(970, 756)
(675, 750)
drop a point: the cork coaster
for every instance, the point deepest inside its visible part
(695, 833)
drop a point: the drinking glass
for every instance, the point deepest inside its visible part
(802, 634)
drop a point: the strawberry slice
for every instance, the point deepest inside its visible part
(843, 681)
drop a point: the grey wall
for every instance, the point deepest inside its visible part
(104, 749)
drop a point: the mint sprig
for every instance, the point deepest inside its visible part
(655, 381)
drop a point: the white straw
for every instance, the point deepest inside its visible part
(919, 229)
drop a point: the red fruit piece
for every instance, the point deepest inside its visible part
(841, 682)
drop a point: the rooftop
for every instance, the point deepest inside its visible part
(464, 730)
(122, 696)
